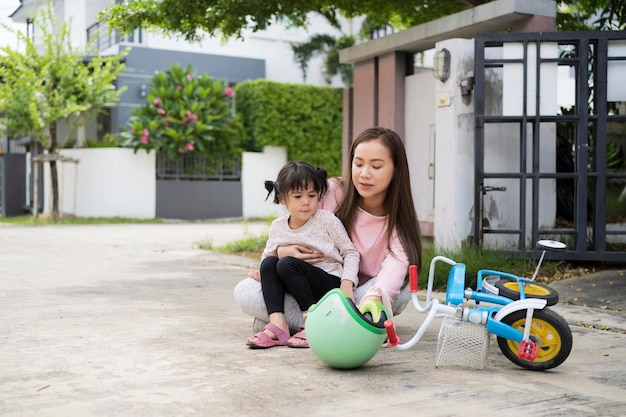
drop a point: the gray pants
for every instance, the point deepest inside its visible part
(249, 296)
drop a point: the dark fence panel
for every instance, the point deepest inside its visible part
(12, 184)
(198, 168)
(198, 200)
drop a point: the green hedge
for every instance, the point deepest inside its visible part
(306, 120)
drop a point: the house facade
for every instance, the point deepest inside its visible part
(265, 54)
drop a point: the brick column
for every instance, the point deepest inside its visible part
(348, 119)
(364, 96)
(535, 24)
(391, 72)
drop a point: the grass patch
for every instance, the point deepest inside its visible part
(251, 246)
(28, 220)
(475, 259)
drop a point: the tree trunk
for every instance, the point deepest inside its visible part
(54, 177)
(54, 180)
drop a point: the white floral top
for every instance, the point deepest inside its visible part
(323, 233)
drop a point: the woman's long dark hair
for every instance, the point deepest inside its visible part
(398, 200)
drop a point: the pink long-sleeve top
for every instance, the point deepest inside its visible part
(389, 265)
(323, 233)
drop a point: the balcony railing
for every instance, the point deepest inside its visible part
(102, 39)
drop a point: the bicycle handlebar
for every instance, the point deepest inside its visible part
(392, 337)
(413, 278)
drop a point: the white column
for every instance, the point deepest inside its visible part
(256, 168)
(76, 19)
(454, 149)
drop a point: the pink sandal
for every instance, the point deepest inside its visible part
(265, 341)
(302, 336)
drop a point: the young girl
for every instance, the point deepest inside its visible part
(299, 187)
(375, 204)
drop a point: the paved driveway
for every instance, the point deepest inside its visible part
(133, 320)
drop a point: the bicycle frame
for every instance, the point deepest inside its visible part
(457, 294)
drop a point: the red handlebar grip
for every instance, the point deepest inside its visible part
(413, 278)
(392, 337)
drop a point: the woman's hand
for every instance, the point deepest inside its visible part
(300, 252)
(255, 274)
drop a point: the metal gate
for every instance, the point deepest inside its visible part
(550, 141)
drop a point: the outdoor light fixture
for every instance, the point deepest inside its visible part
(143, 90)
(441, 65)
(467, 85)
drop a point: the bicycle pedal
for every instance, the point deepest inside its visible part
(527, 350)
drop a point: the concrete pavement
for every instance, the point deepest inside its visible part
(134, 320)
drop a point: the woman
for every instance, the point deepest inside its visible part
(375, 204)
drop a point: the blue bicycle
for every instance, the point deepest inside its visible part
(513, 308)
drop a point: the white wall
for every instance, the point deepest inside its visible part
(116, 182)
(257, 167)
(109, 182)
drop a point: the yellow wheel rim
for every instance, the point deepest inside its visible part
(529, 289)
(542, 333)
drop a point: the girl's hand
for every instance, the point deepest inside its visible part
(255, 274)
(348, 288)
(300, 252)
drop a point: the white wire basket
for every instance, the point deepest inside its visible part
(463, 344)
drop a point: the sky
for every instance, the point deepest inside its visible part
(6, 8)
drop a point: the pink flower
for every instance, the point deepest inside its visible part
(190, 116)
(144, 139)
(189, 146)
(161, 111)
(156, 101)
(145, 132)
(179, 88)
(189, 77)
(230, 93)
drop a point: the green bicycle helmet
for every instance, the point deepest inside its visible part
(342, 336)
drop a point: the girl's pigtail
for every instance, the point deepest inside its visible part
(269, 186)
(323, 181)
(322, 173)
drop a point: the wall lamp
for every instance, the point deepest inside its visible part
(143, 90)
(441, 65)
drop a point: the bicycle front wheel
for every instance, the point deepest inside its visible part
(551, 333)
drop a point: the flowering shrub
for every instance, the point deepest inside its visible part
(185, 114)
